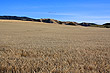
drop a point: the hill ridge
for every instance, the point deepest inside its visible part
(106, 25)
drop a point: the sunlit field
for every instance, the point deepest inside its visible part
(36, 47)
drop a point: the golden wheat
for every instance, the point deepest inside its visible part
(33, 47)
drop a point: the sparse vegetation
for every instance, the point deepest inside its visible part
(101, 26)
(107, 25)
(34, 47)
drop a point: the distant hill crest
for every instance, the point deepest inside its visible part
(106, 25)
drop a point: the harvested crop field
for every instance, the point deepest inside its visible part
(34, 47)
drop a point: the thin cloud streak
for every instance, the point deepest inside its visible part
(50, 13)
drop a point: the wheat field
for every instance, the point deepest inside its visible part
(35, 47)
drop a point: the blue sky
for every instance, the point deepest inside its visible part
(97, 11)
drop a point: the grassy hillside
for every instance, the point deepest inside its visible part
(106, 25)
(35, 47)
